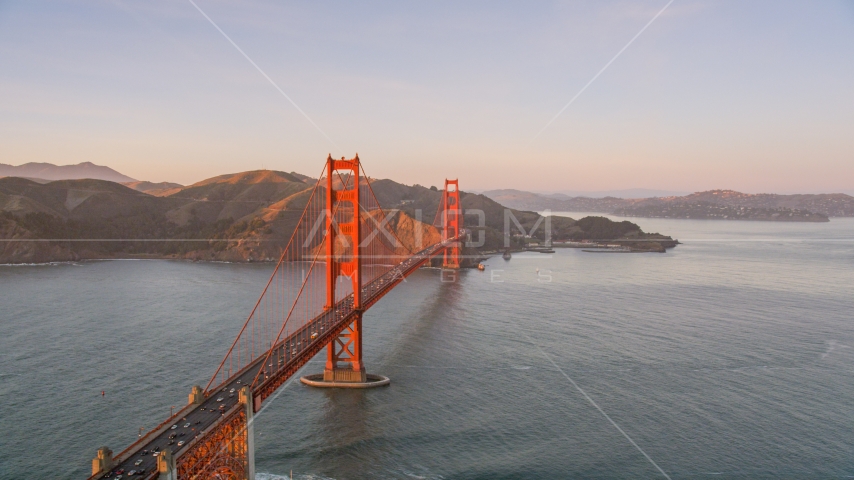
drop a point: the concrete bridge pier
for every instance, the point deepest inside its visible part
(103, 461)
(344, 365)
(245, 397)
(166, 466)
(197, 395)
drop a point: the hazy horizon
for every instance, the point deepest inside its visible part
(639, 192)
(711, 95)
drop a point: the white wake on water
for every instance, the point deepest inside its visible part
(831, 346)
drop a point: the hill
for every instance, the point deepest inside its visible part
(828, 204)
(537, 202)
(239, 196)
(161, 189)
(247, 216)
(764, 206)
(713, 211)
(625, 193)
(422, 203)
(49, 171)
(71, 199)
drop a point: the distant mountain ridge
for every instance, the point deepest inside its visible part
(161, 189)
(624, 193)
(699, 210)
(798, 205)
(49, 171)
(825, 204)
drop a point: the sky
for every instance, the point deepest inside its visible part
(754, 96)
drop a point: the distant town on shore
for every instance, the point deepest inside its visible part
(712, 204)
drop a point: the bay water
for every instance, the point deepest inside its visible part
(729, 356)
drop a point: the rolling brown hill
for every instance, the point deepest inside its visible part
(247, 216)
(73, 199)
(257, 211)
(161, 189)
(239, 196)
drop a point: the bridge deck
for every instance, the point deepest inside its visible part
(288, 356)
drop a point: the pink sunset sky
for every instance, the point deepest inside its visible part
(754, 96)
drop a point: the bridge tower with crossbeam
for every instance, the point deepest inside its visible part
(342, 258)
(451, 220)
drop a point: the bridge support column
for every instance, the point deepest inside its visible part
(343, 244)
(451, 214)
(347, 348)
(166, 466)
(197, 396)
(103, 461)
(246, 399)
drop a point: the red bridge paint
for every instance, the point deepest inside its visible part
(303, 309)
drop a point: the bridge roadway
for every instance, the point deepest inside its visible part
(193, 421)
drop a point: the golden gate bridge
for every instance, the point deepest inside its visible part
(341, 259)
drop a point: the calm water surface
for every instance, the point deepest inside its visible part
(731, 356)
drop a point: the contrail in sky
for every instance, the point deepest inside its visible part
(600, 71)
(265, 75)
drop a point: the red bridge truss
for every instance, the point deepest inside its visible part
(342, 258)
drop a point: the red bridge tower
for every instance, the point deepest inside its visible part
(343, 220)
(451, 222)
